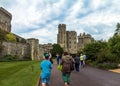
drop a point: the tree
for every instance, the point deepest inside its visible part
(92, 50)
(57, 49)
(114, 45)
(117, 31)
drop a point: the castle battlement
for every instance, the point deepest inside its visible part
(62, 26)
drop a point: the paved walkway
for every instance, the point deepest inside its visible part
(87, 76)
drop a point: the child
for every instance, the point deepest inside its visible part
(45, 67)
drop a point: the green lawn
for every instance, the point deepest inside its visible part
(22, 73)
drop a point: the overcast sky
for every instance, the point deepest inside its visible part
(40, 18)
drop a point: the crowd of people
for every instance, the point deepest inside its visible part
(67, 62)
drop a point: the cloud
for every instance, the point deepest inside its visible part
(40, 18)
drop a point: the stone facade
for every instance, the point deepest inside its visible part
(68, 39)
(5, 20)
(72, 42)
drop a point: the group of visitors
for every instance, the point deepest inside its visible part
(67, 63)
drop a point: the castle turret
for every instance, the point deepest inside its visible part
(62, 36)
(34, 48)
(84, 39)
(5, 20)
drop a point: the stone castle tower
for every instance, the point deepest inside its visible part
(5, 20)
(84, 39)
(72, 42)
(61, 37)
(34, 48)
(68, 39)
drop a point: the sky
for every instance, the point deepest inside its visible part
(40, 18)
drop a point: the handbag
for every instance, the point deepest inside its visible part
(59, 67)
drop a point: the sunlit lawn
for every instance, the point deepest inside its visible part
(22, 73)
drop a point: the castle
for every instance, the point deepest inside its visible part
(29, 48)
(68, 39)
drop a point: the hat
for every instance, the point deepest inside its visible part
(46, 55)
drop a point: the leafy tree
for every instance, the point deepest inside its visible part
(114, 45)
(57, 49)
(10, 37)
(92, 50)
(117, 31)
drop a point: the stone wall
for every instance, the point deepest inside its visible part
(19, 49)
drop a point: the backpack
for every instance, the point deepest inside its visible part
(66, 67)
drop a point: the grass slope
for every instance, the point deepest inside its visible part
(23, 73)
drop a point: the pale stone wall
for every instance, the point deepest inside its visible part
(18, 49)
(5, 20)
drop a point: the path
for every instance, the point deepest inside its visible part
(87, 76)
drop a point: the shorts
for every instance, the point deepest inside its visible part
(45, 80)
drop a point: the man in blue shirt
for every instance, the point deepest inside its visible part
(46, 67)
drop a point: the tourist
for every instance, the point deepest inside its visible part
(45, 67)
(66, 72)
(81, 60)
(77, 63)
(84, 60)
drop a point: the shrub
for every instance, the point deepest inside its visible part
(10, 58)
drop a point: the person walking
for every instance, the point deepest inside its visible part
(66, 70)
(81, 61)
(58, 58)
(77, 63)
(84, 60)
(45, 67)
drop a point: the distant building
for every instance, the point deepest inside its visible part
(46, 47)
(68, 39)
